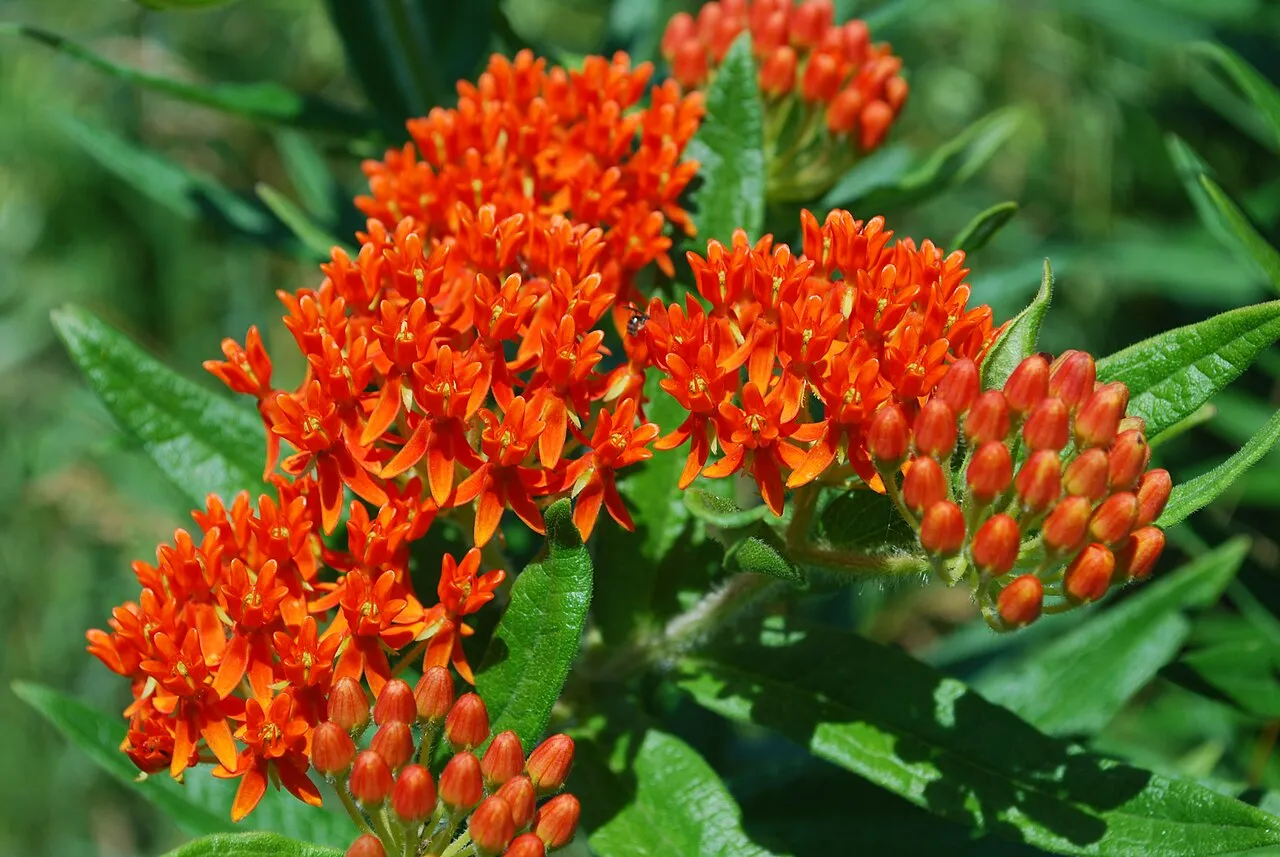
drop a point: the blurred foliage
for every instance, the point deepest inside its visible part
(1097, 86)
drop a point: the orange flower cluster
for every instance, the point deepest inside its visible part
(853, 324)
(1051, 454)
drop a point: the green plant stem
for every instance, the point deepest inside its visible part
(386, 831)
(712, 612)
(461, 845)
(349, 805)
(860, 564)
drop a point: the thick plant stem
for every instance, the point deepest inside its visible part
(713, 612)
(349, 805)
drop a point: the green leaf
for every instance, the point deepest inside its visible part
(750, 545)
(680, 808)
(1264, 96)
(1248, 673)
(879, 713)
(1018, 340)
(316, 240)
(719, 512)
(1258, 248)
(984, 226)
(863, 521)
(204, 442)
(1195, 494)
(181, 4)
(729, 147)
(1172, 374)
(883, 168)
(761, 556)
(384, 44)
(251, 845)
(1080, 681)
(317, 189)
(1190, 167)
(261, 102)
(537, 639)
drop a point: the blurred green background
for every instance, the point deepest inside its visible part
(1097, 83)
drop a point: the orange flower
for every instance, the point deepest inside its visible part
(503, 481)
(276, 740)
(462, 592)
(373, 613)
(616, 442)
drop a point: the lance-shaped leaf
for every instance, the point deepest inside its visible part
(1194, 494)
(1264, 96)
(251, 845)
(317, 242)
(883, 715)
(1172, 374)
(537, 639)
(984, 227)
(1018, 339)
(204, 442)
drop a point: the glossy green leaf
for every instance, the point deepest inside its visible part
(1018, 340)
(879, 713)
(1077, 683)
(1264, 96)
(538, 636)
(204, 442)
(1172, 374)
(251, 845)
(317, 242)
(729, 147)
(883, 168)
(984, 227)
(1194, 494)
(1247, 673)
(680, 808)
(719, 512)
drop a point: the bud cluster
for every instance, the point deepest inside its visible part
(493, 791)
(829, 91)
(1054, 497)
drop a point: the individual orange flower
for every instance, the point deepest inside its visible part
(276, 740)
(373, 613)
(616, 442)
(462, 592)
(503, 481)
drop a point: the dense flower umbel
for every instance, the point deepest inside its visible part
(830, 94)
(1054, 500)
(490, 800)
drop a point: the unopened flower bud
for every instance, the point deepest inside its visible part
(413, 798)
(1098, 419)
(557, 821)
(1137, 556)
(503, 760)
(935, 429)
(680, 29)
(1089, 574)
(395, 702)
(433, 697)
(924, 485)
(959, 387)
(778, 72)
(875, 119)
(821, 79)
(1048, 426)
(370, 781)
(689, 65)
(810, 21)
(1039, 481)
(348, 705)
(854, 40)
(995, 547)
(844, 111)
(988, 419)
(1071, 378)
(1129, 456)
(461, 782)
(942, 529)
(1065, 528)
(1114, 518)
(895, 92)
(1086, 476)
(889, 436)
(549, 763)
(1028, 384)
(521, 797)
(491, 826)
(1132, 423)
(526, 845)
(1153, 494)
(468, 723)
(1020, 602)
(394, 743)
(367, 845)
(332, 749)
(990, 471)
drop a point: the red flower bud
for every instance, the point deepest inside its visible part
(889, 436)
(549, 763)
(778, 73)
(1039, 481)
(854, 39)
(1138, 555)
(1019, 603)
(959, 387)
(935, 429)
(521, 796)
(1072, 377)
(1098, 419)
(491, 826)
(1089, 574)
(1129, 456)
(895, 92)
(1048, 426)
(503, 760)
(875, 120)
(689, 65)
(924, 485)
(557, 821)
(988, 420)
(680, 29)
(395, 703)
(433, 697)
(1086, 476)
(1028, 384)
(461, 782)
(990, 471)
(394, 743)
(370, 780)
(821, 79)
(1153, 494)
(348, 705)
(367, 846)
(995, 547)
(942, 529)
(332, 749)
(413, 798)
(526, 845)
(1132, 423)
(1065, 528)
(844, 111)
(468, 723)
(769, 33)
(810, 21)
(1113, 520)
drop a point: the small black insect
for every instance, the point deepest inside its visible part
(639, 318)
